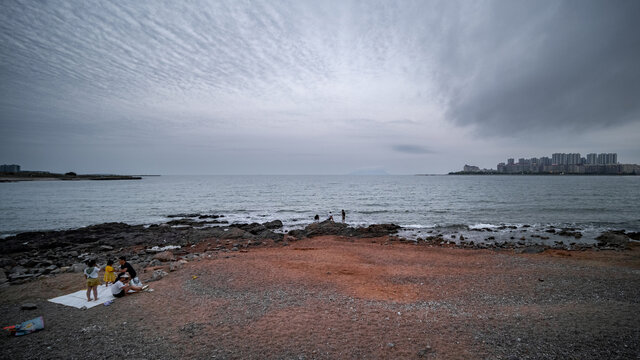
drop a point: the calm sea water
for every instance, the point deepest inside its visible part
(415, 202)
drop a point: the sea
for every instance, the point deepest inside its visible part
(483, 208)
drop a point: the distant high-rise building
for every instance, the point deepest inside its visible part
(510, 161)
(10, 168)
(558, 158)
(592, 159)
(545, 160)
(573, 159)
(607, 158)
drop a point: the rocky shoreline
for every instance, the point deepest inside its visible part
(187, 237)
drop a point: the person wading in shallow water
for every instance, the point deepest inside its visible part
(344, 216)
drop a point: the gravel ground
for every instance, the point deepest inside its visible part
(329, 298)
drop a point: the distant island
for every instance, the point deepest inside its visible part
(12, 173)
(558, 164)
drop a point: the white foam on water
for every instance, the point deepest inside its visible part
(482, 226)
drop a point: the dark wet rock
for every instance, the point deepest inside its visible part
(106, 247)
(269, 235)
(611, 238)
(634, 235)
(192, 215)
(275, 224)
(253, 228)
(236, 233)
(326, 227)
(551, 231)
(50, 268)
(193, 223)
(3, 277)
(298, 234)
(377, 230)
(213, 216)
(15, 278)
(4, 262)
(570, 232)
(340, 229)
(18, 270)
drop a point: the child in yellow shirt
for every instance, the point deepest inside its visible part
(109, 273)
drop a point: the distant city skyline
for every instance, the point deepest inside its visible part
(574, 163)
(308, 87)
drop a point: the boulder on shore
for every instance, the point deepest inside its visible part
(164, 256)
(611, 238)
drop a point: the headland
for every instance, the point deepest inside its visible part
(70, 176)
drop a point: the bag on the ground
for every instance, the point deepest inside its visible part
(136, 282)
(27, 327)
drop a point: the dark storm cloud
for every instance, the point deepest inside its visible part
(411, 149)
(545, 66)
(310, 86)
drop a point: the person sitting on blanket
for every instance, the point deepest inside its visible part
(121, 287)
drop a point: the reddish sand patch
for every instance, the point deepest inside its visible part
(335, 298)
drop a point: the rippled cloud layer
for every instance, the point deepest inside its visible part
(313, 87)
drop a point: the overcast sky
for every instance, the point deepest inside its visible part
(314, 87)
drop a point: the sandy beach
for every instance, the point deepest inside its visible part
(333, 297)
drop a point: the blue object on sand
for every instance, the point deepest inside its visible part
(30, 326)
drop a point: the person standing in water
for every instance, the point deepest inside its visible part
(344, 216)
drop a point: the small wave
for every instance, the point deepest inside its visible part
(483, 226)
(418, 226)
(285, 211)
(368, 212)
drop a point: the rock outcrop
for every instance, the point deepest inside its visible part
(613, 238)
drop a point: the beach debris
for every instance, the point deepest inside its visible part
(107, 303)
(26, 327)
(194, 277)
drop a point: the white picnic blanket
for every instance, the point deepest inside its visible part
(78, 299)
